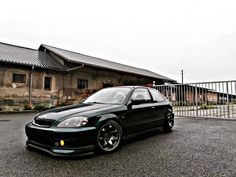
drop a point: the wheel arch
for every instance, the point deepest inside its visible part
(106, 117)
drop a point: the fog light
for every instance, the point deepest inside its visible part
(62, 143)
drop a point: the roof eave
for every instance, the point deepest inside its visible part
(36, 66)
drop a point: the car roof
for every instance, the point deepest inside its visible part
(129, 86)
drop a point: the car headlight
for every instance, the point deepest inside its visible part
(73, 122)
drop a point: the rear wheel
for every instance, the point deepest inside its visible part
(169, 122)
(109, 136)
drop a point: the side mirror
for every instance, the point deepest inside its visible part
(137, 102)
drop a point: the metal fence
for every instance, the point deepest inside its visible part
(203, 99)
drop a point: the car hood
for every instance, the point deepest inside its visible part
(88, 110)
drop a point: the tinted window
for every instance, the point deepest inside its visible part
(156, 95)
(18, 78)
(141, 94)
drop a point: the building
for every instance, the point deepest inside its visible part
(52, 75)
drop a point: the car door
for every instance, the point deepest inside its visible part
(140, 113)
(160, 105)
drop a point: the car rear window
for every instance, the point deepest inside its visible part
(156, 95)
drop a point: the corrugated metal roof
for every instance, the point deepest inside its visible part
(101, 63)
(26, 56)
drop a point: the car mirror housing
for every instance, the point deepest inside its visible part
(137, 102)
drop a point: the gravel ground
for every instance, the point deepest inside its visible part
(196, 147)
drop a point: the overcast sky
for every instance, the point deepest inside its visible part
(162, 36)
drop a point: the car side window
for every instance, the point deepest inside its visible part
(141, 94)
(156, 95)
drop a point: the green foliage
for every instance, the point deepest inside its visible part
(62, 104)
(16, 109)
(205, 106)
(26, 107)
(41, 107)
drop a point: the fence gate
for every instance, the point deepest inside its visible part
(203, 99)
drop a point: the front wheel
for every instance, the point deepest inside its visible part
(109, 136)
(168, 122)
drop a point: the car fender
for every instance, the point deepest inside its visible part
(106, 117)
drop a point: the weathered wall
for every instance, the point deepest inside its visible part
(18, 93)
(96, 78)
(63, 84)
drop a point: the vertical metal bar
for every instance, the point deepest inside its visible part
(178, 99)
(215, 100)
(227, 91)
(169, 93)
(183, 107)
(184, 103)
(196, 99)
(200, 99)
(219, 98)
(231, 100)
(211, 92)
(187, 98)
(192, 101)
(234, 104)
(208, 97)
(223, 95)
(234, 99)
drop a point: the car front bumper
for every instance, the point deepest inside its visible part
(77, 141)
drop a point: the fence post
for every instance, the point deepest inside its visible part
(227, 90)
(196, 99)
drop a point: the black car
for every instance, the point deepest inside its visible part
(100, 122)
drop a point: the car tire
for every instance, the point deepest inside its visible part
(108, 137)
(168, 122)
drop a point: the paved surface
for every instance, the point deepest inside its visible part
(194, 148)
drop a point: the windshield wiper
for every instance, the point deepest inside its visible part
(96, 102)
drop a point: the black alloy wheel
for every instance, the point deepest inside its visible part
(169, 122)
(109, 136)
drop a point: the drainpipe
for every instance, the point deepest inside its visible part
(71, 69)
(78, 67)
(30, 86)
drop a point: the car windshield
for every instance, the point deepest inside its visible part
(109, 96)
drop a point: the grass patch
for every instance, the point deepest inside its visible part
(205, 106)
(41, 107)
(16, 109)
(26, 107)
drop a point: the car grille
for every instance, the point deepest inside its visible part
(40, 136)
(43, 122)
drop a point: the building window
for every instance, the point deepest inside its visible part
(82, 84)
(47, 83)
(18, 78)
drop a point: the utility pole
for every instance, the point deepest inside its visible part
(182, 76)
